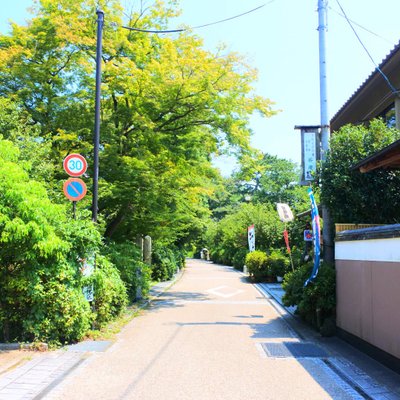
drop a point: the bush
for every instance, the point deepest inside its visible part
(166, 261)
(316, 302)
(239, 259)
(134, 273)
(277, 263)
(110, 296)
(227, 239)
(41, 295)
(256, 263)
(47, 306)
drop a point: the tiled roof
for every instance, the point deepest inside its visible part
(373, 73)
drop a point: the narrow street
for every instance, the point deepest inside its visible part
(212, 335)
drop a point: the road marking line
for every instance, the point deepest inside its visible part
(217, 291)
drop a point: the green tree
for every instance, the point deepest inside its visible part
(40, 244)
(353, 197)
(227, 239)
(167, 106)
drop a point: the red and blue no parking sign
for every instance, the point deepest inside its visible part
(75, 189)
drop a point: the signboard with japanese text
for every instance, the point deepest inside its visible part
(251, 237)
(309, 155)
(310, 152)
(284, 211)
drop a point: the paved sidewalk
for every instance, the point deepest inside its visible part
(361, 376)
(367, 376)
(30, 380)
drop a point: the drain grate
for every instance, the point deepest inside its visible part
(293, 350)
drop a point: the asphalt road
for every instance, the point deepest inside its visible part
(204, 339)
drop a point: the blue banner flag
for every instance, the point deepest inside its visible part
(316, 237)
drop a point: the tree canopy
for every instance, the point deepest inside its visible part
(167, 104)
(353, 197)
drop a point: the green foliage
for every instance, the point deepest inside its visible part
(317, 301)
(40, 284)
(227, 239)
(353, 197)
(264, 267)
(168, 106)
(52, 308)
(109, 291)
(278, 264)
(134, 273)
(165, 262)
(256, 262)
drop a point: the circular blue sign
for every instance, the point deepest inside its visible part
(75, 189)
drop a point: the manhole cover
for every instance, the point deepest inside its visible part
(295, 350)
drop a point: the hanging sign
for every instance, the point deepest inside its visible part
(251, 238)
(310, 155)
(308, 236)
(75, 189)
(310, 151)
(284, 211)
(88, 292)
(75, 165)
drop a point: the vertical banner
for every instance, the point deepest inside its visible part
(310, 155)
(251, 238)
(286, 237)
(310, 151)
(316, 237)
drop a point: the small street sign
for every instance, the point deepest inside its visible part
(75, 189)
(88, 292)
(75, 165)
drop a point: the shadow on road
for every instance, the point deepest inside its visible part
(273, 329)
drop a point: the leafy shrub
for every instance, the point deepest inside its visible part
(317, 301)
(134, 273)
(166, 261)
(256, 262)
(41, 295)
(277, 263)
(239, 259)
(110, 296)
(227, 239)
(43, 304)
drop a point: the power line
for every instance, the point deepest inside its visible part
(199, 26)
(230, 18)
(392, 88)
(362, 27)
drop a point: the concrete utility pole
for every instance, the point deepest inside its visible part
(322, 28)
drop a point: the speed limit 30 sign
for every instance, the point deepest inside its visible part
(75, 165)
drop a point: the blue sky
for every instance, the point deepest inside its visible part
(281, 41)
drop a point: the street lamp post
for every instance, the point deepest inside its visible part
(322, 28)
(96, 139)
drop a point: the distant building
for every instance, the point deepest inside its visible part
(376, 97)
